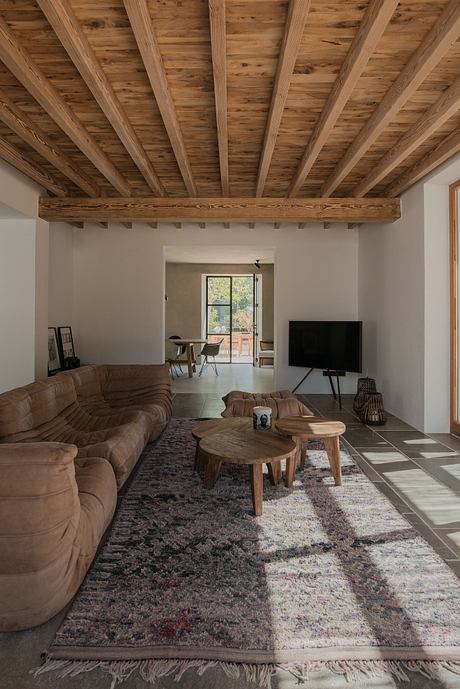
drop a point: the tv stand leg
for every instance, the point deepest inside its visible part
(331, 382)
(338, 391)
(304, 378)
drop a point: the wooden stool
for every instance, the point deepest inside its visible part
(303, 428)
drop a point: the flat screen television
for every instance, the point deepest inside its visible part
(333, 345)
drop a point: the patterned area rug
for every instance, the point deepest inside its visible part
(326, 576)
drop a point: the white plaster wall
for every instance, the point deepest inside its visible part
(61, 276)
(119, 286)
(18, 192)
(17, 303)
(391, 305)
(41, 298)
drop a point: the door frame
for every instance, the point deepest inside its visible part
(454, 192)
(256, 305)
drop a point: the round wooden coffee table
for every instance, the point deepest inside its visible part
(204, 428)
(254, 448)
(315, 428)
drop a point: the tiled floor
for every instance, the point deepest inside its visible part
(420, 474)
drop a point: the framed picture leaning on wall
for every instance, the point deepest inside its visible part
(54, 359)
(66, 342)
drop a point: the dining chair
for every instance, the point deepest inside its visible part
(181, 349)
(171, 357)
(210, 349)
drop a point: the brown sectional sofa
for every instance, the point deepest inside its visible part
(66, 445)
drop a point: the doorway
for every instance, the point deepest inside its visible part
(232, 316)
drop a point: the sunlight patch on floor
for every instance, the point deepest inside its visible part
(377, 457)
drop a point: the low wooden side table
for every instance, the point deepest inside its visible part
(204, 428)
(254, 448)
(315, 428)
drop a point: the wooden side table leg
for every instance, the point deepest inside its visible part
(200, 459)
(333, 453)
(212, 472)
(274, 472)
(290, 469)
(255, 472)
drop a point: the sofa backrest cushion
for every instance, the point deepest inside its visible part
(87, 381)
(239, 394)
(31, 406)
(281, 407)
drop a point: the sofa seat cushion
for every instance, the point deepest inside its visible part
(53, 512)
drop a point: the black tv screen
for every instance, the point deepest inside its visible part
(334, 345)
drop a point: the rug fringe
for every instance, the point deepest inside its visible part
(259, 674)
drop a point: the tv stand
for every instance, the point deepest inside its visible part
(330, 375)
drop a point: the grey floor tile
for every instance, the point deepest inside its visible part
(394, 498)
(448, 439)
(367, 469)
(416, 444)
(393, 424)
(431, 537)
(361, 436)
(451, 537)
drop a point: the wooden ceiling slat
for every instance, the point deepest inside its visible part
(22, 125)
(219, 66)
(248, 210)
(295, 23)
(61, 17)
(141, 24)
(442, 152)
(443, 109)
(378, 14)
(19, 62)
(435, 45)
(21, 162)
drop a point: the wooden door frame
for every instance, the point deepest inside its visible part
(453, 241)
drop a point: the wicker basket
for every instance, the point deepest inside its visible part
(365, 385)
(373, 412)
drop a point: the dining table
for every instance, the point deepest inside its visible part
(189, 344)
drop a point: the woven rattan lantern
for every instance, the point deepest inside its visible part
(373, 412)
(365, 385)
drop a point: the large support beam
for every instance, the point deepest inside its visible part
(295, 23)
(376, 18)
(141, 24)
(17, 159)
(65, 24)
(19, 62)
(219, 68)
(443, 151)
(154, 209)
(444, 108)
(22, 125)
(436, 44)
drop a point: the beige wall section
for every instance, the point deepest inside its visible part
(184, 291)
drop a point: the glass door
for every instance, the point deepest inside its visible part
(230, 316)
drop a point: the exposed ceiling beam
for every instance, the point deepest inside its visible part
(435, 45)
(21, 162)
(445, 107)
(22, 125)
(65, 24)
(19, 62)
(219, 67)
(248, 210)
(142, 26)
(442, 152)
(293, 32)
(376, 18)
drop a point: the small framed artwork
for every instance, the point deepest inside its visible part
(54, 361)
(66, 342)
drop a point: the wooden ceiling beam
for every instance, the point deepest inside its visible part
(295, 24)
(142, 27)
(250, 210)
(442, 152)
(376, 18)
(19, 62)
(435, 45)
(20, 123)
(219, 68)
(63, 20)
(21, 162)
(443, 109)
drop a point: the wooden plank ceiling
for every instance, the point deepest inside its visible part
(239, 99)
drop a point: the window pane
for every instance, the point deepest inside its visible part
(218, 319)
(242, 304)
(219, 290)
